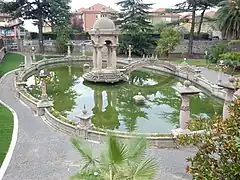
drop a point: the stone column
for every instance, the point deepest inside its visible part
(186, 92)
(227, 102)
(114, 57)
(230, 90)
(94, 57)
(220, 72)
(99, 58)
(109, 65)
(184, 111)
(129, 53)
(83, 49)
(33, 54)
(69, 49)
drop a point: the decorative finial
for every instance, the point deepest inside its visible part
(231, 79)
(187, 83)
(84, 109)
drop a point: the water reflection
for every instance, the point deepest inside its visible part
(113, 105)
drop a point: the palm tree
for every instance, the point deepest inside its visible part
(118, 161)
(228, 18)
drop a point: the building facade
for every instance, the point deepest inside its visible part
(157, 16)
(9, 28)
(87, 16)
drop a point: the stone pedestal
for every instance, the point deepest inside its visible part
(42, 105)
(85, 121)
(186, 91)
(230, 90)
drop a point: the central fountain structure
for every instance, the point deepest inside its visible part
(104, 33)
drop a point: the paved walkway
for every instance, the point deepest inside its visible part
(42, 153)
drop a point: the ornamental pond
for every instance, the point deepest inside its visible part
(112, 104)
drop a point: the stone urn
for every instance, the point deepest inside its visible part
(139, 98)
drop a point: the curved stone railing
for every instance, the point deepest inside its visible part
(142, 63)
(99, 135)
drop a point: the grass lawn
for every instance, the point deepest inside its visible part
(196, 62)
(10, 62)
(6, 128)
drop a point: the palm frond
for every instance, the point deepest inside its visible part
(146, 169)
(85, 152)
(117, 151)
(137, 147)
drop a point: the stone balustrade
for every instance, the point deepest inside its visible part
(156, 140)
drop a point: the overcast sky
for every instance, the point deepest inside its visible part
(76, 4)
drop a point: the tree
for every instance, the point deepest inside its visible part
(118, 161)
(135, 27)
(228, 18)
(160, 26)
(63, 37)
(54, 11)
(169, 38)
(77, 24)
(218, 153)
(204, 5)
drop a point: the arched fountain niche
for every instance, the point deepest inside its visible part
(104, 34)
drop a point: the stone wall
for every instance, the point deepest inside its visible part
(199, 47)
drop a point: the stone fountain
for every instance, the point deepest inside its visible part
(104, 33)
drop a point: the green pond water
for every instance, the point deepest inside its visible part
(113, 105)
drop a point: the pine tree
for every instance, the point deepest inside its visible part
(135, 26)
